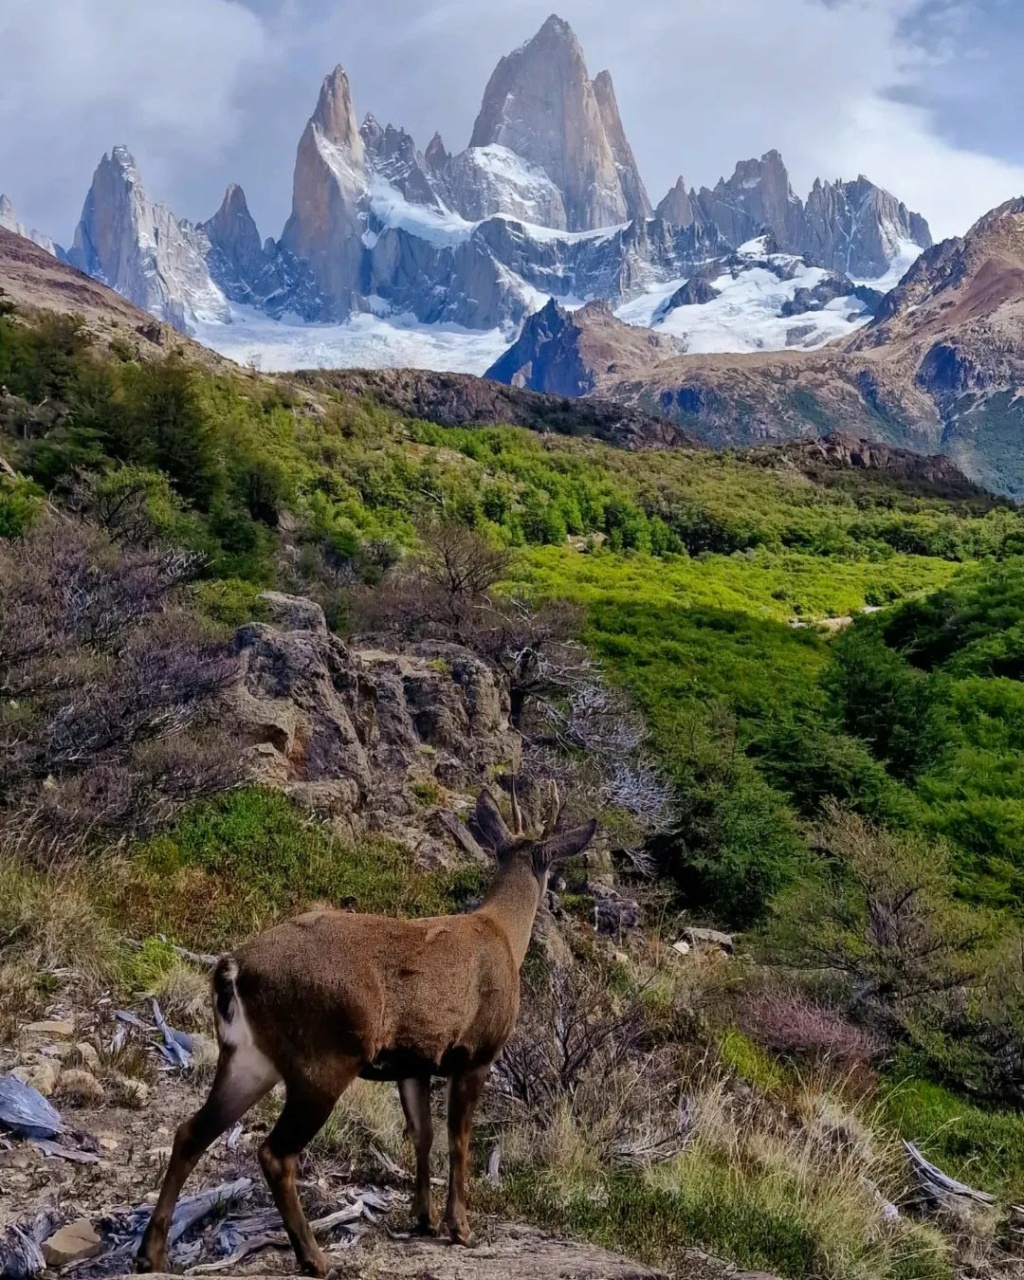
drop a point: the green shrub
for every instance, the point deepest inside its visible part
(233, 865)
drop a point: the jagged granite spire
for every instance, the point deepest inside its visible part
(677, 208)
(327, 221)
(541, 104)
(143, 251)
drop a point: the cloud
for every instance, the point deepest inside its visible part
(207, 91)
(79, 76)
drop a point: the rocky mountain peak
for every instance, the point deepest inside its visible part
(677, 208)
(335, 115)
(541, 104)
(436, 155)
(757, 197)
(238, 261)
(567, 353)
(392, 154)
(143, 251)
(859, 228)
(327, 221)
(633, 188)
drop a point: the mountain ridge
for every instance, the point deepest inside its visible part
(547, 201)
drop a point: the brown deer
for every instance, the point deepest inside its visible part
(328, 997)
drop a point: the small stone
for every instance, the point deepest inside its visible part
(59, 1029)
(131, 1092)
(74, 1243)
(109, 1144)
(88, 1055)
(710, 938)
(683, 948)
(620, 957)
(80, 1088)
(41, 1075)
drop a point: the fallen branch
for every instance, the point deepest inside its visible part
(940, 1187)
(352, 1213)
(55, 1150)
(193, 1210)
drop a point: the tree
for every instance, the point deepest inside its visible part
(881, 916)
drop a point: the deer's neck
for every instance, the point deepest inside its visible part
(512, 902)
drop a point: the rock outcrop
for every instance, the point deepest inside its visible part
(541, 104)
(840, 452)
(351, 732)
(460, 400)
(567, 353)
(142, 251)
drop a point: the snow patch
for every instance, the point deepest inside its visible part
(747, 314)
(907, 254)
(364, 341)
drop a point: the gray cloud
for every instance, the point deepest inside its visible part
(207, 91)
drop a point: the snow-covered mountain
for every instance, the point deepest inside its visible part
(756, 299)
(140, 249)
(10, 221)
(386, 241)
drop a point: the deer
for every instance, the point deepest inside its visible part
(328, 997)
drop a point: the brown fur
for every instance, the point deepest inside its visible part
(328, 996)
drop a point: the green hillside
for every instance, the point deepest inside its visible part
(830, 671)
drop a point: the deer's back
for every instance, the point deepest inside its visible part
(404, 997)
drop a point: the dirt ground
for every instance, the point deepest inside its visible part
(127, 1146)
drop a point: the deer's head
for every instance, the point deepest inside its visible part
(538, 851)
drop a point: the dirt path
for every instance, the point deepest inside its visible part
(127, 1147)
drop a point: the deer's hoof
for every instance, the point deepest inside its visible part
(427, 1225)
(317, 1265)
(460, 1234)
(152, 1263)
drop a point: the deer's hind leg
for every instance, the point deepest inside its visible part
(309, 1102)
(243, 1076)
(415, 1096)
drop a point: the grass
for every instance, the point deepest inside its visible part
(786, 1185)
(232, 866)
(367, 1120)
(982, 1146)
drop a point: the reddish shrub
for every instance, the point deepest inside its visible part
(786, 1022)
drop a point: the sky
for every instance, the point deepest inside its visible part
(925, 97)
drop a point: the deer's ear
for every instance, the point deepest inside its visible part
(568, 843)
(490, 823)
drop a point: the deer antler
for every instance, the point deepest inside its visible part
(554, 811)
(517, 813)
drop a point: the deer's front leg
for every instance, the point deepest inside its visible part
(463, 1092)
(415, 1096)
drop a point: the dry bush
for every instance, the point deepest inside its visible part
(183, 991)
(103, 684)
(787, 1022)
(577, 1075)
